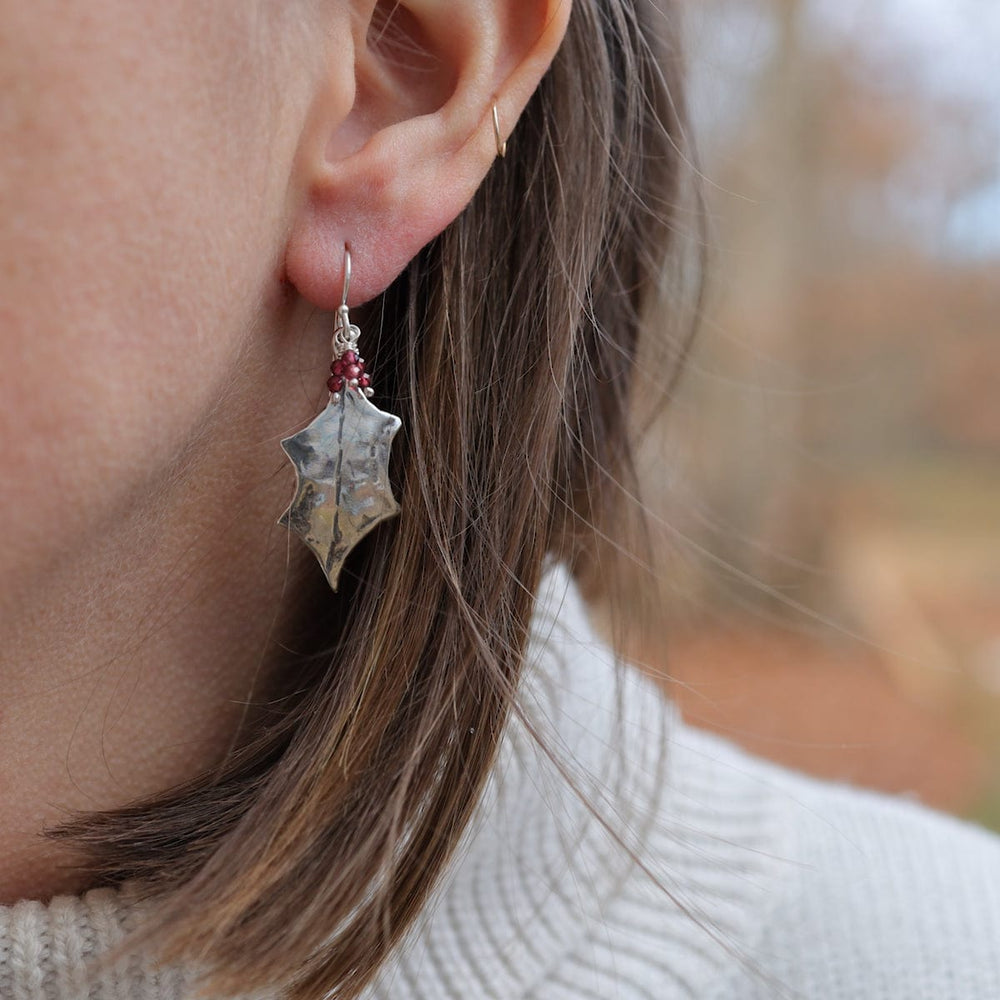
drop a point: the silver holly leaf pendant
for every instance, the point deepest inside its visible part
(342, 485)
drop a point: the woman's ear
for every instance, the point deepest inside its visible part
(400, 137)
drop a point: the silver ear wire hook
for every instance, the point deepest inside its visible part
(501, 142)
(347, 275)
(344, 335)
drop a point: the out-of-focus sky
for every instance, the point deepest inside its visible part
(942, 52)
(956, 39)
(953, 47)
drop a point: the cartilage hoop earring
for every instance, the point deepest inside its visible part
(501, 142)
(341, 458)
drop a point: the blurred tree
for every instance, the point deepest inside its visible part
(842, 338)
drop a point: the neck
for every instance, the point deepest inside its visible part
(130, 666)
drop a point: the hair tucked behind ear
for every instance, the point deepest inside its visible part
(507, 348)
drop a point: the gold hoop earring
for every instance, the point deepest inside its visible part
(341, 458)
(501, 143)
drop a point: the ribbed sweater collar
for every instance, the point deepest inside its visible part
(541, 901)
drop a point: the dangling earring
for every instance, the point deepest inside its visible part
(341, 459)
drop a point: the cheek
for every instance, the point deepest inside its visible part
(138, 228)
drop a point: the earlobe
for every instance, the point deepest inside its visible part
(374, 200)
(402, 164)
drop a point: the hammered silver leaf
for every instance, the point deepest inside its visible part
(342, 486)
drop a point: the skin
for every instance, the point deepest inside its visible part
(177, 184)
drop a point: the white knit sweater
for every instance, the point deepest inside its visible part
(772, 884)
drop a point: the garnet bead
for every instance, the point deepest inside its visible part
(348, 369)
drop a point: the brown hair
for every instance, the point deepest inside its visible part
(507, 348)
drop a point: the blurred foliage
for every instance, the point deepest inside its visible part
(830, 464)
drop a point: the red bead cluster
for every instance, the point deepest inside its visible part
(348, 369)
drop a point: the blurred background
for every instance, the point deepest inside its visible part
(827, 480)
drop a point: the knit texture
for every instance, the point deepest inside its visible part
(743, 880)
